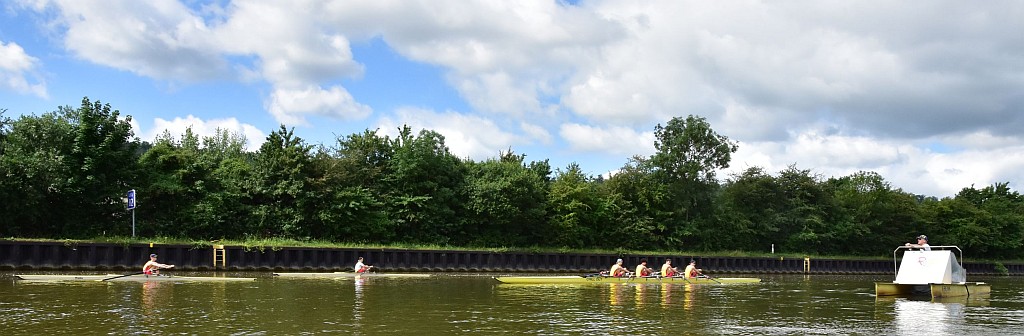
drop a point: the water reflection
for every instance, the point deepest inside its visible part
(688, 294)
(666, 295)
(357, 304)
(783, 305)
(639, 295)
(154, 293)
(940, 316)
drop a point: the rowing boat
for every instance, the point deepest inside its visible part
(572, 279)
(119, 277)
(350, 275)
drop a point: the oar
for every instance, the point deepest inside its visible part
(121, 276)
(712, 279)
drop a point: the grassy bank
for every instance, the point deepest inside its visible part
(280, 243)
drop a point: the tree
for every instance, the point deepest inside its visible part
(280, 186)
(34, 175)
(688, 154)
(426, 188)
(643, 208)
(989, 221)
(350, 200)
(507, 201)
(579, 210)
(871, 217)
(751, 204)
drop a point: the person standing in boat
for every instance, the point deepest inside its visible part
(617, 269)
(152, 267)
(691, 270)
(642, 270)
(667, 270)
(361, 267)
(922, 243)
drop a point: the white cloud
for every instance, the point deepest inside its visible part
(160, 39)
(293, 47)
(202, 128)
(465, 135)
(536, 132)
(618, 140)
(503, 57)
(166, 40)
(290, 106)
(16, 69)
(832, 86)
(908, 166)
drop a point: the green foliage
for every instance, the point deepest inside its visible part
(507, 200)
(1001, 269)
(63, 174)
(688, 154)
(578, 210)
(426, 189)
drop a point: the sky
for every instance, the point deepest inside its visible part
(928, 94)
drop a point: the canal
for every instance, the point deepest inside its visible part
(477, 304)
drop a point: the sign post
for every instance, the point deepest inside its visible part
(131, 206)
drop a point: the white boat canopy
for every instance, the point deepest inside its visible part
(930, 267)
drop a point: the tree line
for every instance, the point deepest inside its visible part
(65, 174)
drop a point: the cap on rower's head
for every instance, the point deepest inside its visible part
(152, 255)
(619, 261)
(923, 237)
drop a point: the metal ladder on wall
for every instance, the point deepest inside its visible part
(219, 255)
(807, 265)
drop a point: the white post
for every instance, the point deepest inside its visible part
(773, 248)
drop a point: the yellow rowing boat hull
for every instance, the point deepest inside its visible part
(604, 279)
(350, 275)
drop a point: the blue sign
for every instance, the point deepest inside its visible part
(131, 199)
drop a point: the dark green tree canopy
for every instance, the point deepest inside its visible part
(63, 174)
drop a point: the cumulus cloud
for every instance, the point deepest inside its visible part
(290, 106)
(203, 128)
(508, 58)
(167, 40)
(619, 140)
(913, 167)
(161, 39)
(18, 71)
(465, 135)
(834, 86)
(292, 47)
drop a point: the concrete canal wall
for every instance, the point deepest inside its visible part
(17, 255)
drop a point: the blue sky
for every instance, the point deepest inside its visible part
(926, 94)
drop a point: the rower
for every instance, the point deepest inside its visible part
(642, 270)
(152, 267)
(361, 267)
(667, 270)
(691, 270)
(617, 269)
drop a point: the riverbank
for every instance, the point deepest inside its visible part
(125, 255)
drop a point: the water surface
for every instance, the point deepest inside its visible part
(477, 304)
